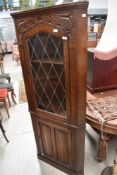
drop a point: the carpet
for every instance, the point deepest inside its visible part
(104, 108)
(22, 92)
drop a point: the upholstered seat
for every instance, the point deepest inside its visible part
(3, 98)
(10, 88)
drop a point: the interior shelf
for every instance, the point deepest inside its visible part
(49, 61)
(56, 107)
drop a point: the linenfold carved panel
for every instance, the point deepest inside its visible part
(63, 22)
(56, 141)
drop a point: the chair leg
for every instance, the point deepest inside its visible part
(13, 92)
(2, 67)
(12, 96)
(8, 99)
(3, 131)
(6, 108)
(9, 79)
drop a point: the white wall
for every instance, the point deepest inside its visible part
(98, 3)
(107, 46)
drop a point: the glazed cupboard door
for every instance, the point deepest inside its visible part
(48, 59)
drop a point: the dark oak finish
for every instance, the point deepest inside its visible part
(102, 74)
(52, 44)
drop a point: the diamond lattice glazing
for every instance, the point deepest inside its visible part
(46, 58)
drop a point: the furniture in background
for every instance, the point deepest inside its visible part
(101, 74)
(52, 44)
(5, 76)
(7, 85)
(92, 40)
(15, 53)
(102, 64)
(7, 46)
(102, 116)
(2, 67)
(1, 52)
(3, 99)
(108, 130)
(1, 59)
(2, 80)
(115, 165)
(10, 88)
(2, 128)
(96, 23)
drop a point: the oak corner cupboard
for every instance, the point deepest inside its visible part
(52, 43)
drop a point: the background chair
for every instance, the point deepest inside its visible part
(5, 76)
(10, 88)
(1, 58)
(3, 98)
(15, 53)
(2, 67)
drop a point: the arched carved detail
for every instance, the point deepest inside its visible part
(63, 22)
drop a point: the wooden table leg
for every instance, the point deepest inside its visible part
(103, 141)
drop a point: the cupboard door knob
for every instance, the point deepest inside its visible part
(64, 38)
(84, 15)
(55, 30)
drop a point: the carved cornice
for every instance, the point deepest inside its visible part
(63, 22)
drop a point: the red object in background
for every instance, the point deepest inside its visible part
(3, 93)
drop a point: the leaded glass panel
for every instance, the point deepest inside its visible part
(47, 64)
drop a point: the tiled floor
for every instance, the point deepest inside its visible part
(19, 156)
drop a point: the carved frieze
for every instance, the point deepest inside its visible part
(63, 22)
